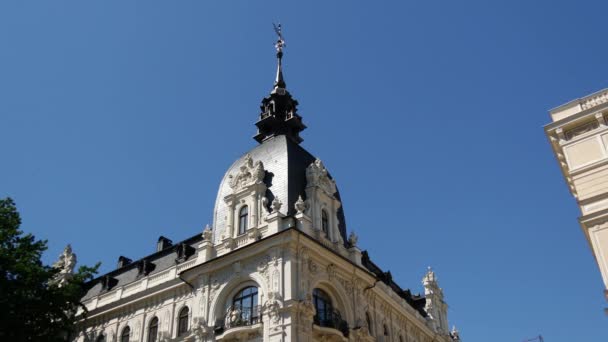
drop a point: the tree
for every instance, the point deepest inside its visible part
(32, 306)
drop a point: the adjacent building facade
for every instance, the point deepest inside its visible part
(277, 263)
(579, 137)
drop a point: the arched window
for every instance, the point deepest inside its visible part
(385, 330)
(400, 338)
(182, 323)
(126, 334)
(101, 338)
(153, 330)
(370, 326)
(245, 310)
(243, 218)
(324, 221)
(323, 306)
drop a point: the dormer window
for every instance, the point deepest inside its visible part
(324, 222)
(243, 218)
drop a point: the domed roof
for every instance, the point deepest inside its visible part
(285, 163)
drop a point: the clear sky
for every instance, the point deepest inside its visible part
(118, 120)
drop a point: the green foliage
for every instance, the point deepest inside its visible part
(32, 308)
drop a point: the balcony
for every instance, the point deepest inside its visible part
(330, 323)
(239, 322)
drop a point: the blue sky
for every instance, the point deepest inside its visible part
(119, 118)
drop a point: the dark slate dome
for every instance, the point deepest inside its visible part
(285, 162)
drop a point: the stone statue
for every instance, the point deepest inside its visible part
(352, 239)
(65, 265)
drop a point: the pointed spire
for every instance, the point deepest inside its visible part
(279, 82)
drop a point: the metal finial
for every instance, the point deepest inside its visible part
(279, 81)
(280, 41)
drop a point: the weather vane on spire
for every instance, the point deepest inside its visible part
(280, 41)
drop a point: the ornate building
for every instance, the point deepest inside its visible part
(276, 265)
(579, 137)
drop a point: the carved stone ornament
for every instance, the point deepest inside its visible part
(300, 205)
(317, 175)
(352, 239)
(207, 233)
(276, 205)
(249, 173)
(429, 278)
(455, 334)
(65, 265)
(273, 308)
(200, 329)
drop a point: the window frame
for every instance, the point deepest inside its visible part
(153, 326)
(325, 222)
(252, 297)
(183, 325)
(319, 296)
(126, 332)
(243, 220)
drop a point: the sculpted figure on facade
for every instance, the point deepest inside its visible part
(317, 175)
(65, 265)
(249, 173)
(353, 239)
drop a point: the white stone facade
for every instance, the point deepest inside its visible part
(579, 138)
(285, 258)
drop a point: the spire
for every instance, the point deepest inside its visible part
(279, 110)
(279, 82)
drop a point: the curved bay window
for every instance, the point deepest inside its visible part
(326, 315)
(243, 218)
(182, 323)
(245, 309)
(153, 330)
(126, 333)
(324, 222)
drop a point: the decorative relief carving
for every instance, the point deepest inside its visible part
(331, 271)
(317, 175)
(249, 173)
(582, 129)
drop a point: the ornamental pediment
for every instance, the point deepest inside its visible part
(317, 175)
(249, 173)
